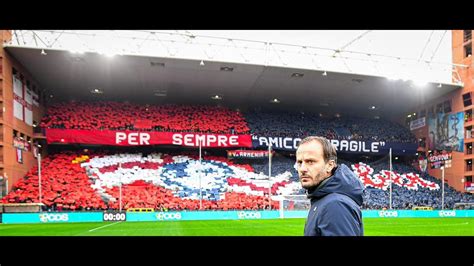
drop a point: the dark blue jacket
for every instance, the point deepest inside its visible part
(335, 206)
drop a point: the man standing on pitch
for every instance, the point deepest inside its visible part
(335, 191)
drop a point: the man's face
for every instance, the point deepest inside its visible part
(310, 164)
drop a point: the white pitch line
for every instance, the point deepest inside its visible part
(103, 226)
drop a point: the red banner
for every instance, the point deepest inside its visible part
(135, 138)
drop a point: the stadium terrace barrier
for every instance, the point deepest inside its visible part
(140, 210)
(422, 208)
(20, 207)
(72, 217)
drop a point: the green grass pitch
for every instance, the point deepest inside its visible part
(277, 227)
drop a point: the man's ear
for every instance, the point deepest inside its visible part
(331, 166)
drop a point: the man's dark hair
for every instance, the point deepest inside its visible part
(329, 152)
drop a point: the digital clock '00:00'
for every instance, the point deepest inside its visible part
(114, 216)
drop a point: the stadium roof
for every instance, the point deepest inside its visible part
(73, 76)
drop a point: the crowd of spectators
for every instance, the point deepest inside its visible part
(126, 116)
(70, 182)
(301, 124)
(108, 115)
(403, 198)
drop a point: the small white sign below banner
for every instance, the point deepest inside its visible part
(418, 123)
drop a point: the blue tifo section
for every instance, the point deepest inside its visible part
(72, 217)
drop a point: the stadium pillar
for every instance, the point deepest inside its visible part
(269, 176)
(120, 188)
(390, 174)
(39, 182)
(442, 188)
(200, 173)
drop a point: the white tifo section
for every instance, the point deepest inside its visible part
(99, 162)
(215, 178)
(126, 176)
(381, 180)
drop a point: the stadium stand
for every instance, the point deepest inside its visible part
(158, 181)
(170, 181)
(209, 119)
(65, 186)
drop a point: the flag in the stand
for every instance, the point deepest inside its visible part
(423, 165)
(19, 155)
